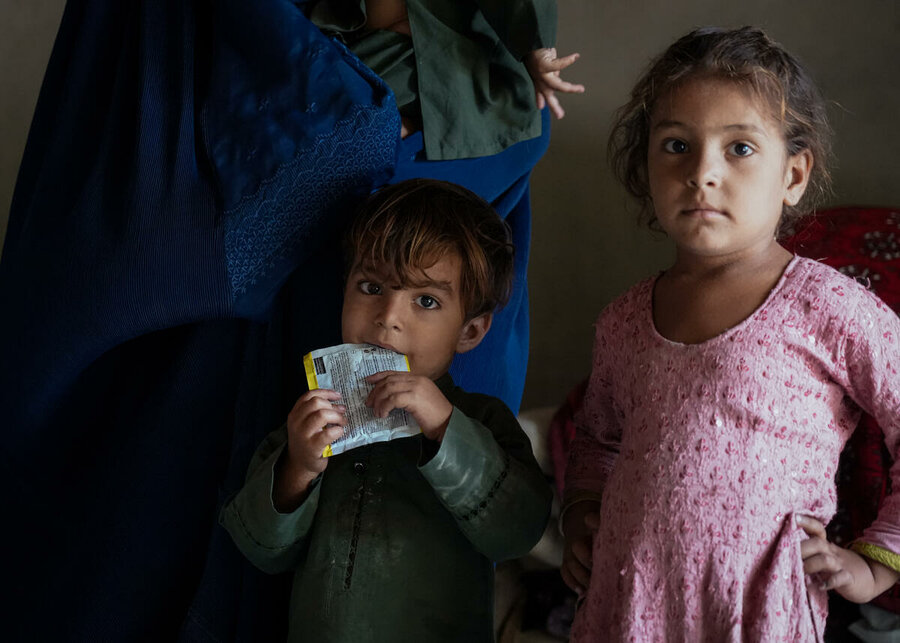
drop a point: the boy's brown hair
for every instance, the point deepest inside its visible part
(410, 226)
(746, 56)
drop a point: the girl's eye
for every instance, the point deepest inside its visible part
(675, 146)
(741, 149)
(369, 288)
(427, 302)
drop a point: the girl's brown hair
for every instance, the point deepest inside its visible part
(410, 226)
(746, 56)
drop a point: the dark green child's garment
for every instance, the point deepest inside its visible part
(460, 73)
(384, 549)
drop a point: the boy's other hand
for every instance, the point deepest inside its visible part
(544, 67)
(312, 425)
(418, 395)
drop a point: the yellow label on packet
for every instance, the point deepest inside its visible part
(313, 383)
(310, 369)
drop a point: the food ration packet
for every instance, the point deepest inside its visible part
(344, 368)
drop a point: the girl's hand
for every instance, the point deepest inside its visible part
(579, 528)
(418, 395)
(312, 425)
(543, 66)
(856, 578)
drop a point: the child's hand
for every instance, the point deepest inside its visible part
(580, 525)
(407, 127)
(417, 394)
(854, 577)
(543, 66)
(312, 425)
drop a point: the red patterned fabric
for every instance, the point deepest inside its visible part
(863, 243)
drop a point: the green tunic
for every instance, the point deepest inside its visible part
(386, 548)
(461, 72)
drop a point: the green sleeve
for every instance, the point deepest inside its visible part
(490, 482)
(522, 25)
(271, 540)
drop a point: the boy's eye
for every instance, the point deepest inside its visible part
(428, 302)
(675, 146)
(369, 288)
(741, 149)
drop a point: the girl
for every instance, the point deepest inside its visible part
(723, 390)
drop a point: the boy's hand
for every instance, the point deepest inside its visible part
(312, 424)
(543, 66)
(417, 394)
(581, 522)
(854, 577)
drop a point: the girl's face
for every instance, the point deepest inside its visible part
(719, 169)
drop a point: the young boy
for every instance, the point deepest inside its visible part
(395, 541)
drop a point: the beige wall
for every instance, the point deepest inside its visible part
(586, 248)
(29, 27)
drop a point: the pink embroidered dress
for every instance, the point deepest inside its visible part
(704, 453)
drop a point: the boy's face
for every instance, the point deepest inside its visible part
(426, 323)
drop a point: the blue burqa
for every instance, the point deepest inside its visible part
(172, 252)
